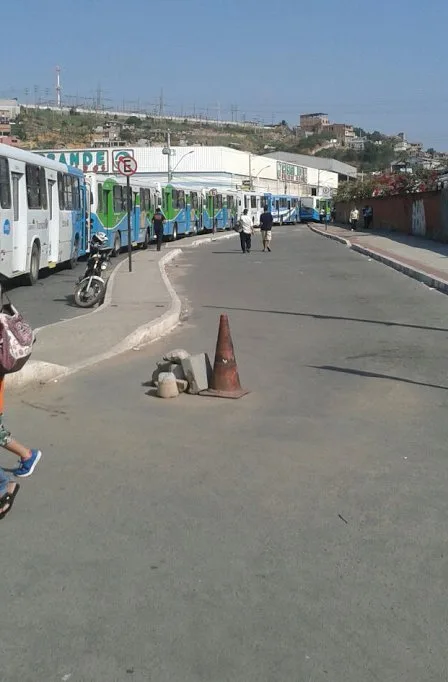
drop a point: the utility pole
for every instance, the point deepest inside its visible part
(161, 104)
(250, 171)
(169, 153)
(168, 144)
(58, 87)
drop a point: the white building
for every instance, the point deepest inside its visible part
(219, 167)
(9, 109)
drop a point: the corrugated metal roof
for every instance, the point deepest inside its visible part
(315, 162)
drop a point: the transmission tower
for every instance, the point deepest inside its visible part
(58, 87)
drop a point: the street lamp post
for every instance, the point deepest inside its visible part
(181, 159)
(260, 171)
(169, 152)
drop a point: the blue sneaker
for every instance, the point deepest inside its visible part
(27, 466)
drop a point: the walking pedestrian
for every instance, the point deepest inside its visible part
(28, 462)
(266, 222)
(354, 217)
(246, 233)
(158, 220)
(322, 214)
(333, 215)
(369, 217)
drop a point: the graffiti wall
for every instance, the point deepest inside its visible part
(418, 223)
(424, 214)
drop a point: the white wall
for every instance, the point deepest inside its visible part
(213, 166)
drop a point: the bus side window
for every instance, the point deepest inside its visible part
(61, 192)
(43, 189)
(76, 194)
(32, 186)
(118, 199)
(68, 193)
(100, 198)
(5, 187)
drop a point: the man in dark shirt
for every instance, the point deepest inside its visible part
(266, 221)
(158, 221)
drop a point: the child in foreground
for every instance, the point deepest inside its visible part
(28, 461)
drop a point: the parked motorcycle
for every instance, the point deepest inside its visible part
(91, 287)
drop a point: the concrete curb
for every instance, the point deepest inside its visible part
(151, 331)
(329, 235)
(35, 372)
(198, 242)
(408, 270)
(44, 372)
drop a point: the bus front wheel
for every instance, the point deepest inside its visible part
(174, 235)
(33, 274)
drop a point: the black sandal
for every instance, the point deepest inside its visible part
(8, 498)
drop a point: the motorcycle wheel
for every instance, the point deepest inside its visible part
(86, 295)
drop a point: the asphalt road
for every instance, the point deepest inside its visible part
(51, 298)
(297, 535)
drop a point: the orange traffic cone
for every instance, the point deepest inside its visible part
(225, 382)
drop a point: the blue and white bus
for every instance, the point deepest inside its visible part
(42, 213)
(108, 206)
(285, 208)
(311, 207)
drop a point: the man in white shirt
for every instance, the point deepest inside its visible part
(354, 217)
(246, 233)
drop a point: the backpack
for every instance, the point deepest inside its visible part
(16, 338)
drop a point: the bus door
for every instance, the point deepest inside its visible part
(277, 208)
(20, 227)
(86, 214)
(134, 219)
(53, 225)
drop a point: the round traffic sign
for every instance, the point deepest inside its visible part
(127, 165)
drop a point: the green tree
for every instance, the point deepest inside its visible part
(134, 121)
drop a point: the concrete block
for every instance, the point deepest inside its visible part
(161, 367)
(167, 385)
(198, 372)
(176, 355)
(178, 371)
(182, 385)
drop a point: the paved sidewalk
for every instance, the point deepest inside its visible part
(422, 259)
(139, 307)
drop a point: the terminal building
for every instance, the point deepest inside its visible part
(218, 167)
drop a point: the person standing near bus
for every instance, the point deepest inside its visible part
(246, 233)
(158, 220)
(266, 222)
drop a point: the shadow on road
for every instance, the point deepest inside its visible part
(375, 375)
(317, 316)
(69, 300)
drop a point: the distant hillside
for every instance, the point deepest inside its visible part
(44, 128)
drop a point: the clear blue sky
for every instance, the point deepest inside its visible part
(379, 64)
